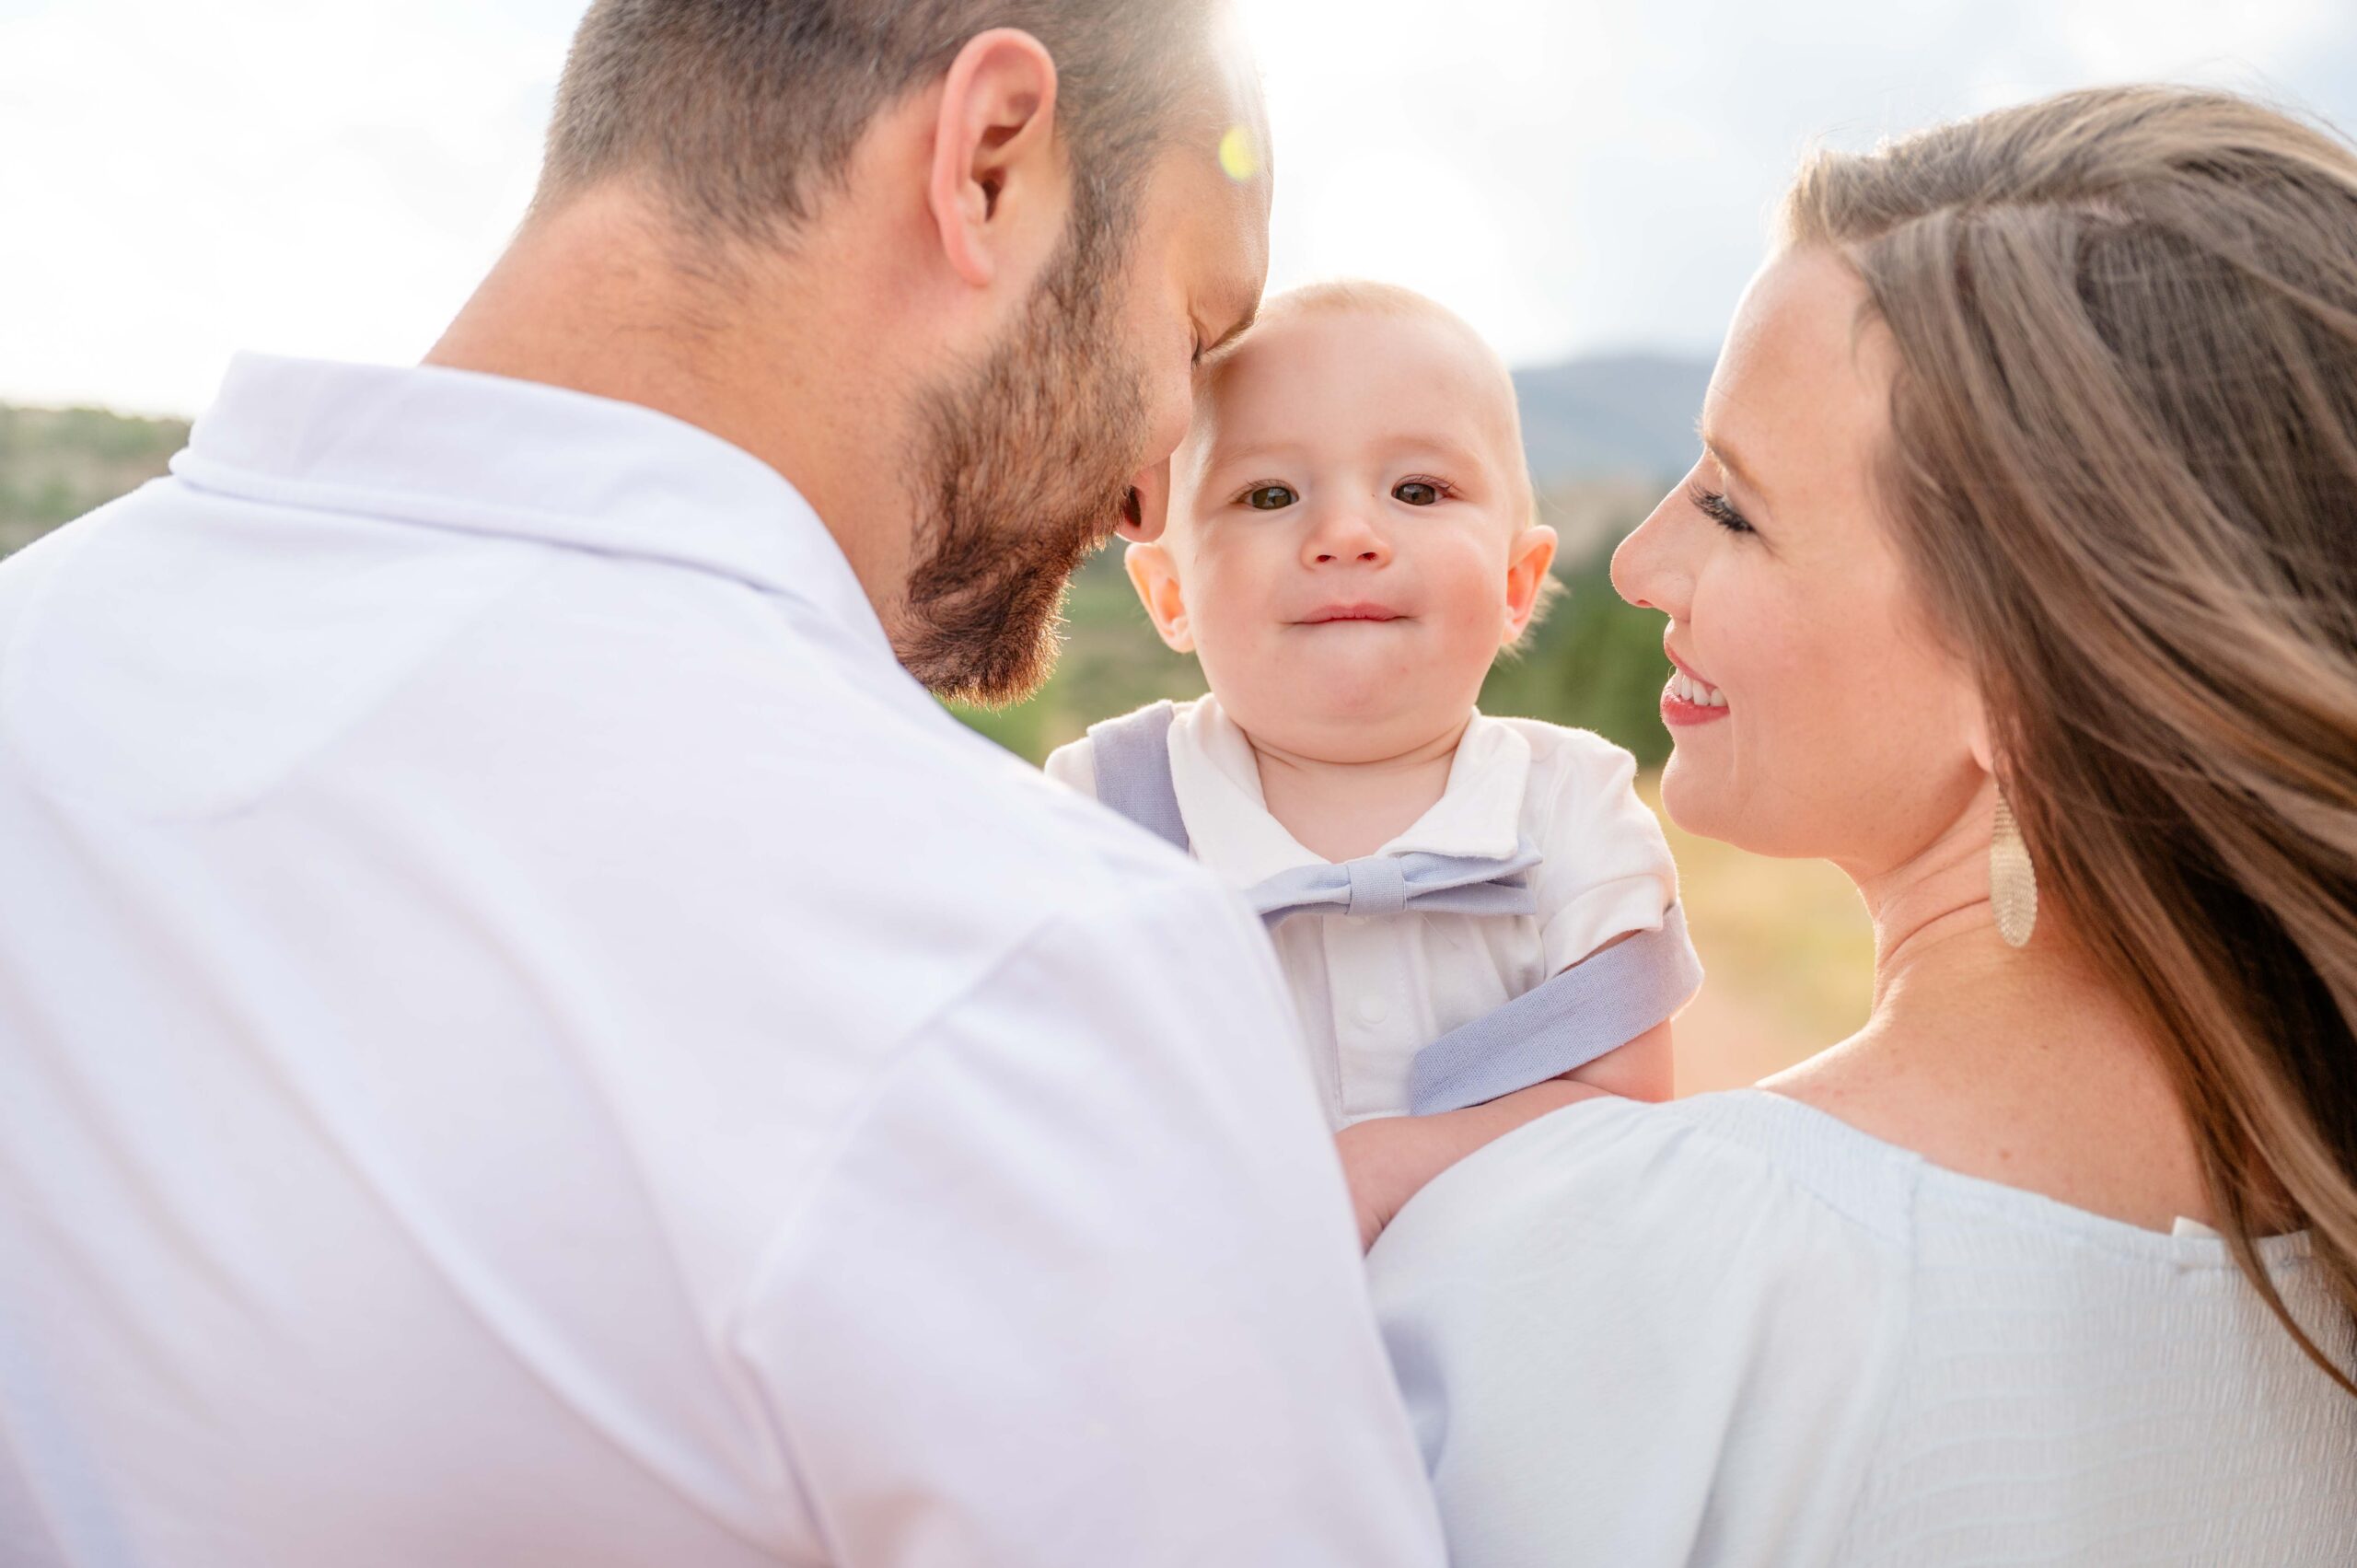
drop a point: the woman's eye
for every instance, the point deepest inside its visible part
(1416, 493)
(1714, 506)
(1270, 497)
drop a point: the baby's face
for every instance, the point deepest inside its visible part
(1349, 542)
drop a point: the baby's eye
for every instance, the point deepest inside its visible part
(1270, 497)
(1416, 491)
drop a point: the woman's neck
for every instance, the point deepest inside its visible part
(1343, 810)
(2025, 1066)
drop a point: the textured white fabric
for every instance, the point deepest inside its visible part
(1735, 1331)
(1371, 992)
(527, 1040)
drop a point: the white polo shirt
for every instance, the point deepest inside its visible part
(1373, 991)
(525, 1037)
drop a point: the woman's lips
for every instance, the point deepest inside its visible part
(1689, 699)
(1680, 713)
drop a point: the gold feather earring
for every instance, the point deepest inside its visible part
(2012, 880)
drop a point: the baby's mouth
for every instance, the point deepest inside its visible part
(1338, 612)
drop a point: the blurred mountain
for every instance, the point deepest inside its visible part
(1623, 416)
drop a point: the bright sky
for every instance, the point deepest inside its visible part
(181, 181)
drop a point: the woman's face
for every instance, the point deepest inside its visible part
(1817, 713)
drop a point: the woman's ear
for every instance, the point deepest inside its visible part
(1155, 578)
(996, 186)
(1976, 735)
(1526, 564)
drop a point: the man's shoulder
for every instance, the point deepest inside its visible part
(852, 784)
(1019, 830)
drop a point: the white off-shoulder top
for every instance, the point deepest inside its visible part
(1734, 1329)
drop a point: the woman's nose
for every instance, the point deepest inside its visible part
(1344, 535)
(1645, 570)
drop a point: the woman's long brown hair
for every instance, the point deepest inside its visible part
(2123, 468)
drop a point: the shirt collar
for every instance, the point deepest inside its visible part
(1218, 784)
(459, 449)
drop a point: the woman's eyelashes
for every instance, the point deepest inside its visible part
(1713, 504)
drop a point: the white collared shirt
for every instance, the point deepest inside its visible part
(1373, 992)
(527, 1039)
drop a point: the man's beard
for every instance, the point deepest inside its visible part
(1023, 469)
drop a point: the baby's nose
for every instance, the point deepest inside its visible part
(1347, 536)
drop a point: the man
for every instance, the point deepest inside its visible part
(527, 1038)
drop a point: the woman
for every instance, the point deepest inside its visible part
(2022, 560)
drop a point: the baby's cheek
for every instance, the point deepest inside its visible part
(1230, 641)
(1468, 583)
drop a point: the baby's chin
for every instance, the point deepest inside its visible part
(1346, 720)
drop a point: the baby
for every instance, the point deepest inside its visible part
(1464, 906)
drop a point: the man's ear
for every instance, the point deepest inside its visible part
(997, 189)
(1153, 487)
(1155, 578)
(1526, 563)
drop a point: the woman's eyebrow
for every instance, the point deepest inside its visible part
(1718, 452)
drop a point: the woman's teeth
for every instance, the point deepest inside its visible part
(1686, 689)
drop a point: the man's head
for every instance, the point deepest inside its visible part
(990, 237)
(1351, 536)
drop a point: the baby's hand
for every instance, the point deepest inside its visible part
(1388, 1160)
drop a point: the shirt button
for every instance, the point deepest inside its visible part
(1371, 1010)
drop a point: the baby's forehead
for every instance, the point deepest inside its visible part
(1333, 370)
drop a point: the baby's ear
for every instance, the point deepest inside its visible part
(1155, 578)
(1532, 553)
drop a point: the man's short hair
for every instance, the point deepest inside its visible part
(742, 112)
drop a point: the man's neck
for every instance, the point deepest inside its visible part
(1344, 810)
(595, 297)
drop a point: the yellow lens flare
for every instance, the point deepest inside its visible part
(1239, 159)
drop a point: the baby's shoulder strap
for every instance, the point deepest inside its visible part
(1598, 1004)
(1132, 755)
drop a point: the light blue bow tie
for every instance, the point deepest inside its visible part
(1388, 883)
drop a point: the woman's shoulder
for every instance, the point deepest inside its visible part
(1704, 1182)
(1628, 1325)
(1736, 1328)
